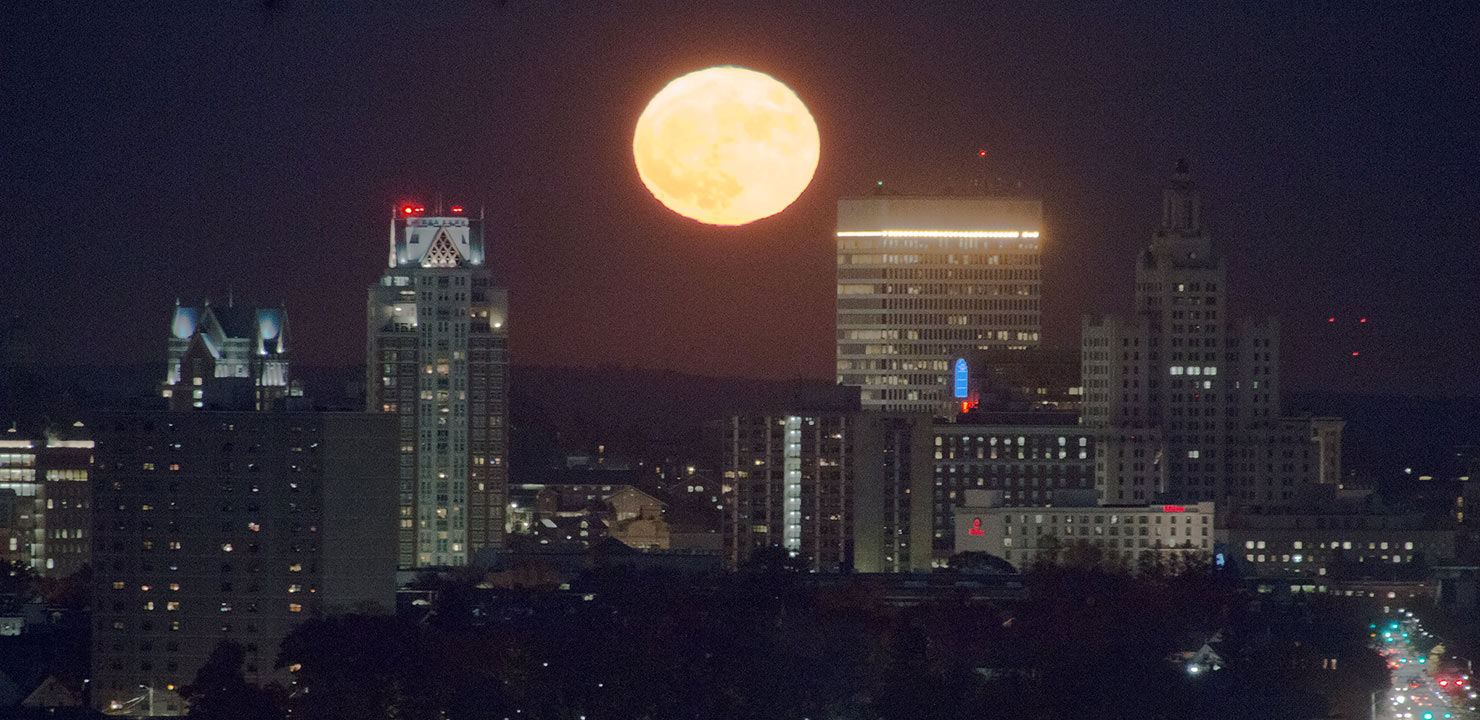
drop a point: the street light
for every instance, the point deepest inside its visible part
(149, 693)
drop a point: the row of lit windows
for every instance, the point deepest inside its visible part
(1333, 545)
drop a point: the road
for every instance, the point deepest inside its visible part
(1420, 691)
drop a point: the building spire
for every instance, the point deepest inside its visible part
(1181, 205)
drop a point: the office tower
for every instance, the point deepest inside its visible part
(231, 526)
(832, 487)
(998, 380)
(921, 279)
(438, 360)
(1029, 459)
(45, 500)
(226, 357)
(1184, 402)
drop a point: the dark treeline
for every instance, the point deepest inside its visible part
(770, 643)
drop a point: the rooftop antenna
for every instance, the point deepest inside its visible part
(439, 202)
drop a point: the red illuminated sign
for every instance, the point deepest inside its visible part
(1173, 508)
(976, 527)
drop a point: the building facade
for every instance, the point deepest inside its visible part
(836, 489)
(920, 279)
(438, 360)
(216, 526)
(1128, 534)
(1335, 544)
(1184, 402)
(46, 500)
(226, 357)
(1030, 459)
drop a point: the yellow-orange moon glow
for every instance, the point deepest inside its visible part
(726, 146)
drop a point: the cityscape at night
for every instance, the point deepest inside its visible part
(834, 361)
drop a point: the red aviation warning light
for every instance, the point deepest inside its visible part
(457, 208)
(408, 210)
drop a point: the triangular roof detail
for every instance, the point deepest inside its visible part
(442, 253)
(52, 693)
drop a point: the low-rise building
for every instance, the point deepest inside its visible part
(1347, 542)
(1022, 535)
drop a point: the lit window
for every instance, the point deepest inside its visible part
(172, 606)
(295, 607)
(225, 547)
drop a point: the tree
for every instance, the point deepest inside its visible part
(221, 691)
(980, 562)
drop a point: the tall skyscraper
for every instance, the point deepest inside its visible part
(922, 279)
(438, 358)
(229, 356)
(1185, 404)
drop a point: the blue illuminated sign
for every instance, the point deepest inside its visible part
(960, 378)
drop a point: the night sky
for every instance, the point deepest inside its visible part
(194, 149)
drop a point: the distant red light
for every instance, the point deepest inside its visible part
(420, 209)
(1363, 320)
(1355, 353)
(1330, 319)
(457, 208)
(408, 209)
(981, 153)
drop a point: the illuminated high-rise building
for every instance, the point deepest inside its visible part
(923, 279)
(230, 356)
(1185, 404)
(46, 500)
(438, 359)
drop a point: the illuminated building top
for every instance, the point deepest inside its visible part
(212, 348)
(453, 240)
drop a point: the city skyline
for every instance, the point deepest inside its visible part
(1315, 168)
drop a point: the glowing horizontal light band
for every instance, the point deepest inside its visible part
(939, 233)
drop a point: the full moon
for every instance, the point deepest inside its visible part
(726, 146)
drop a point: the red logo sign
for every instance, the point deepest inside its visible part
(976, 527)
(1173, 508)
